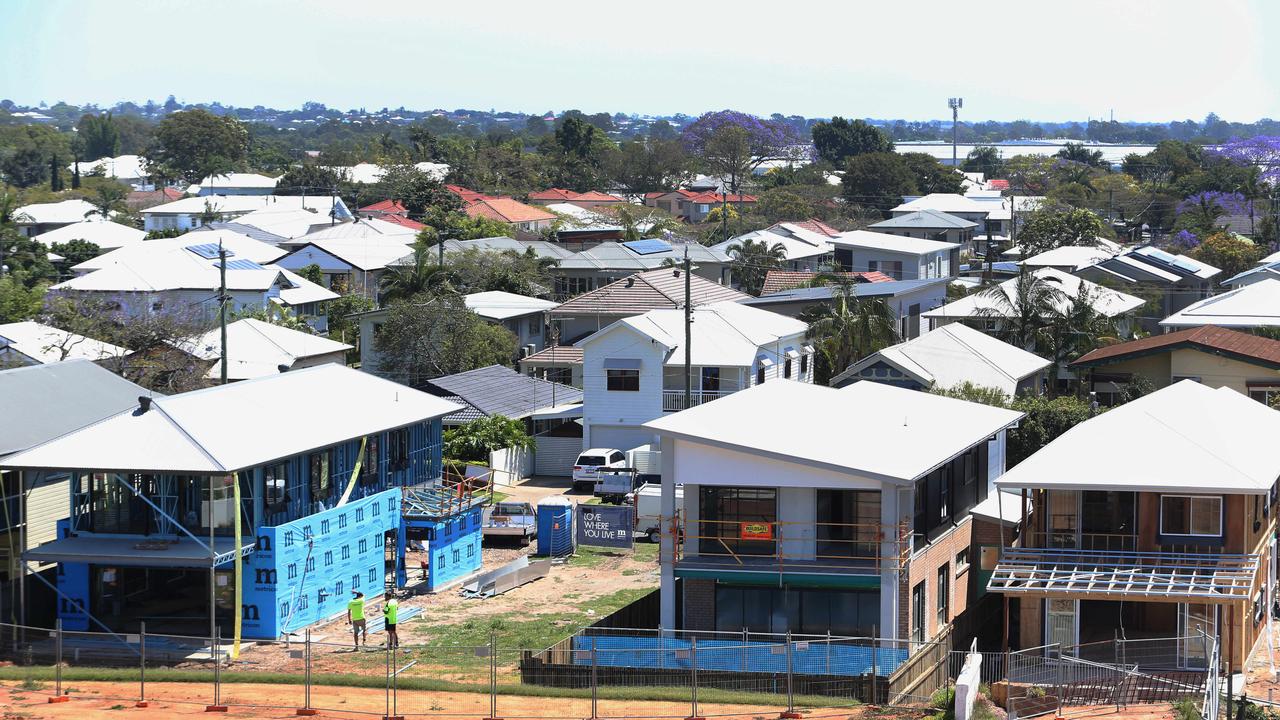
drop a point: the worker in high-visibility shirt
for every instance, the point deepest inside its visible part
(390, 614)
(355, 616)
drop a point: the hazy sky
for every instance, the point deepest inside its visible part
(1146, 60)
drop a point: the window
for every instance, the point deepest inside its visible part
(786, 368)
(320, 481)
(736, 520)
(275, 481)
(369, 463)
(917, 612)
(760, 375)
(852, 613)
(944, 595)
(534, 326)
(1265, 394)
(804, 364)
(622, 380)
(962, 561)
(1193, 515)
(710, 379)
(398, 449)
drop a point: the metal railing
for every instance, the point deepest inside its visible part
(860, 548)
(673, 400)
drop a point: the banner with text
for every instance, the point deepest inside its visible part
(605, 525)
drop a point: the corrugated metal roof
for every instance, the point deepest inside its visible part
(1209, 338)
(642, 292)
(499, 390)
(48, 401)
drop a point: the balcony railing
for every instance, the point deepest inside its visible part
(673, 400)
(1070, 539)
(772, 546)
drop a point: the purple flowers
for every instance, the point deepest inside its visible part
(1186, 239)
(1262, 151)
(1214, 204)
(768, 139)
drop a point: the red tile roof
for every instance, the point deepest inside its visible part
(1206, 338)
(558, 355)
(998, 184)
(553, 194)
(597, 196)
(779, 280)
(814, 225)
(467, 196)
(711, 197)
(507, 210)
(401, 221)
(394, 207)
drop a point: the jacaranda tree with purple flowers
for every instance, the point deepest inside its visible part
(1200, 213)
(733, 144)
(1261, 151)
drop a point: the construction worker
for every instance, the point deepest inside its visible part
(390, 614)
(355, 617)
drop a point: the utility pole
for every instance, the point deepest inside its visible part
(688, 332)
(222, 306)
(955, 104)
(440, 250)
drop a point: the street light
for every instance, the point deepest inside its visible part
(955, 104)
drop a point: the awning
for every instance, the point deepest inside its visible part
(764, 361)
(621, 364)
(136, 551)
(791, 353)
(559, 412)
(1140, 576)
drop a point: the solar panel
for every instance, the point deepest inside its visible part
(209, 251)
(649, 246)
(243, 265)
(1188, 265)
(1160, 255)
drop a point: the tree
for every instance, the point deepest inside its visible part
(1049, 228)
(648, 165)
(752, 261)
(733, 144)
(275, 315)
(1021, 309)
(1229, 253)
(1073, 329)
(779, 204)
(25, 152)
(1199, 214)
(1045, 418)
(522, 273)
(983, 159)
(1260, 151)
(342, 326)
(847, 328)
(932, 176)
(877, 180)
(840, 139)
(75, 251)
(427, 336)
(474, 441)
(108, 199)
(194, 144)
(1077, 152)
(420, 274)
(311, 180)
(17, 301)
(579, 153)
(457, 225)
(418, 191)
(100, 136)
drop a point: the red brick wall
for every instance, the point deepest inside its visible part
(923, 567)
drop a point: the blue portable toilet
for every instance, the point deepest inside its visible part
(555, 526)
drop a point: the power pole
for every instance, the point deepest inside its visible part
(688, 332)
(955, 104)
(222, 306)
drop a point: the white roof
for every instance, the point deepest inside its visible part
(241, 204)
(55, 213)
(258, 348)
(105, 234)
(367, 254)
(1272, 258)
(868, 240)
(1204, 271)
(289, 222)
(364, 228)
(369, 173)
(121, 167)
(724, 333)
(1255, 305)
(868, 428)
(944, 202)
(1001, 506)
(46, 344)
(795, 248)
(238, 180)
(954, 354)
(499, 305)
(1070, 256)
(1184, 437)
(802, 233)
(240, 425)
(1106, 301)
(238, 245)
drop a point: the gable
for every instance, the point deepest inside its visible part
(310, 254)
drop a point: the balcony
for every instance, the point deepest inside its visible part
(714, 548)
(673, 400)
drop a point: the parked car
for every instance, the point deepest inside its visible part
(511, 519)
(586, 467)
(648, 502)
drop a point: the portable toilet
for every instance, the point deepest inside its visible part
(555, 526)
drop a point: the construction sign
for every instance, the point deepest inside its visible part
(755, 531)
(605, 526)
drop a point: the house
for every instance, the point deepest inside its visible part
(368, 173)
(1256, 305)
(634, 370)
(526, 218)
(266, 481)
(192, 212)
(901, 258)
(466, 196)
(955, 205)
(907, 300)
(256, 349)
(589, 199)
(287, 222)
(55, 399)
(551, 413)
(984, 311)
(669, 202)
(851, 506)
(1180, 280)
(802, 250)
(557, 363)
(696, 207)
(392, 211)
(235, 184)
(776, 281)
(948, 357)
(1215, 356)
(38, 218)
(141, 199)
(661, 289)
(1070, 258)
(131, 169)
(352, 257)
(182, 275)
(32, 343)
(1263, 271)
(1171, 542)
(609, 261)
(107, 235)
(929, 224)
(582, 228)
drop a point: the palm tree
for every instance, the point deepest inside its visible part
(848, 328)
(421, 273)
(108, 200)
(1074, 328)
(1021, 308)
(752, 260)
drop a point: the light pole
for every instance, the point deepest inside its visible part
(955, 104)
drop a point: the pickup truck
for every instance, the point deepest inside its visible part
(613, 485)
(511, 519)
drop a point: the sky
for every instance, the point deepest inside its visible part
(1144, 60)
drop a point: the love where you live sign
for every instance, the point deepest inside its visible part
(604, 526)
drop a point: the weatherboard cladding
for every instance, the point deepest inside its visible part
(1207, 338)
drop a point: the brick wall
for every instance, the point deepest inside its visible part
(923, 568)
(699, 604)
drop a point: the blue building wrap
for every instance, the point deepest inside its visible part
(304, 571)
(453, 545)
(72, 580)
